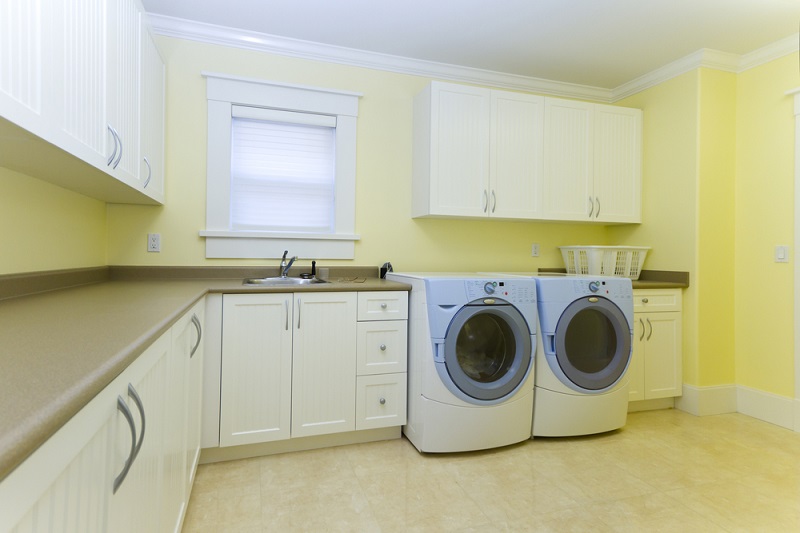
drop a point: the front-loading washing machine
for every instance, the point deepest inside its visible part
(585, 343)
(471, 342)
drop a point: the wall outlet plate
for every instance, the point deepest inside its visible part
(535, 249)
(781, 254)
(153, 242)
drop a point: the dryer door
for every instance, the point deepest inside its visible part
(593, 343)
(487, 351)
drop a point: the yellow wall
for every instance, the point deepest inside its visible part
(383, 192)
(764, 219)
(48, 228)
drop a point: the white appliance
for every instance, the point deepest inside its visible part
(471, 342)
(585, 343)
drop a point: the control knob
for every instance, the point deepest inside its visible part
(594, 286)
(489, 287)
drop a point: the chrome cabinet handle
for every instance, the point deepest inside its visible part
(598, 208)
(299, 307)
(196, 322)
(382, 401)
(119, 156)
(286, 305)
(485, 201)
(651, 329)
(642, 323)
(382, 347)
(138, 401)
(591, 207)
(126, 412)
(114, 153)
(494, 201)
(384, 305)
(149, 173)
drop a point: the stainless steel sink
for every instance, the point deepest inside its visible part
(281, 282)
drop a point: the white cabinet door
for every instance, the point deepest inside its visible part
(567, 184)
(516, 143)
(195, 353)
(324, 363)
(451, 151)
(151, 162)
(256, 383)
(21, 62)
(617, 164)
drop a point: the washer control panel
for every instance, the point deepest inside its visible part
(610, 288)
(511, 290)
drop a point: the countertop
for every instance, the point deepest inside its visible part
(62, 347)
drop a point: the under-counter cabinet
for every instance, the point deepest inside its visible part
(117, 464)
(655, 369)
(477, 152)
(290, 364)
(592, 162)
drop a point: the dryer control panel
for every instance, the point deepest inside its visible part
(513, 291)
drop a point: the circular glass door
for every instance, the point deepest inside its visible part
(487, 351)
(593, 343)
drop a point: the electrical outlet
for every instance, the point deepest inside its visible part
(535, 249)
(153, 242)
(781, 254)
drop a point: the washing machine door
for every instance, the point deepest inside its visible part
(487, 351)
(592, 343)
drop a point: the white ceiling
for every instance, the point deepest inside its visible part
(598, 43)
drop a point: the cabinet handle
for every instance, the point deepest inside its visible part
(651, 329)
(643, 328)
(591, 207)
(119, 155)
(286, 304)
(299, 307)
(596, 215)
(114, 153)
(382, 400)
(196, 322)
(138, 401)
(384, 305)
(149, 173)
(645, 300)
(382, 347)
(494, 201)
(126, 412)
(485, 201)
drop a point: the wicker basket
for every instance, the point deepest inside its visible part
(619, 261)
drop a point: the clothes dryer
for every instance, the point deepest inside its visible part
(584, 350)
(470, 368)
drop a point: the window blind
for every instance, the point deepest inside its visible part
(282, 171)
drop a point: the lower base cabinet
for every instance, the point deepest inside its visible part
(120, 464)
(311, 363)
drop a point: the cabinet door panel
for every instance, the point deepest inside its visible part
(382, 347)
(381, 401)
(663, 363)
(567, 192)
(21, 59)
(617, 164)
(636, 368)
(256, 379)
(324, 364)
(151, 162)
(516, 155)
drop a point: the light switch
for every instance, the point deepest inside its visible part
(781, 254)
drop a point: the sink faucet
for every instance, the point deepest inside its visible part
(286, 266)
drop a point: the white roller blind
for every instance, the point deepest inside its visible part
(282, 171)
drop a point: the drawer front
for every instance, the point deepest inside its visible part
(383, 305)
(381, 401)
(382, 347)
(657, 300)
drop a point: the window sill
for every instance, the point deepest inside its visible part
(269, 245)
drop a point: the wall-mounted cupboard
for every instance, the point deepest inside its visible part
(486, 153)
(82, 98)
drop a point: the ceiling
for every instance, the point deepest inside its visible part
(589, 42)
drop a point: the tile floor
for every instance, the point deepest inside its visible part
(665, 471)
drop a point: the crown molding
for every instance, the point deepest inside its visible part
(261, 42)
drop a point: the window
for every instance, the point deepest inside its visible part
(281, 170)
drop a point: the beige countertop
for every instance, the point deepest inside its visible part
(60, 348)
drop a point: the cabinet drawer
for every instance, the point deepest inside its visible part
(656, 300)
(382, 347)
(383, 305)
(381, 401)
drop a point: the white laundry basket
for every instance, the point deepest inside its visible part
(619, 261)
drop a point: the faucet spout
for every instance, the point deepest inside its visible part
(286, 266)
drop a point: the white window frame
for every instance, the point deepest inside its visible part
(224, 91)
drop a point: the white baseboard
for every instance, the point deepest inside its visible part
(703, 401)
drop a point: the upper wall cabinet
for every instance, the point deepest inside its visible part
(486, 153)
(72, 105)
(477, 152)
(592, 162)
